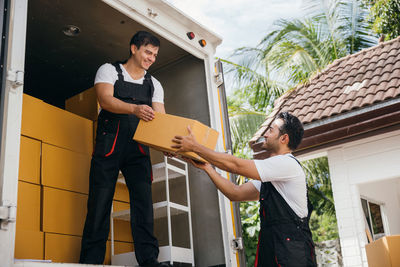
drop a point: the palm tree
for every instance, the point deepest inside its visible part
(297, 49)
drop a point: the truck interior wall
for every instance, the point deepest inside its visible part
(185, 94)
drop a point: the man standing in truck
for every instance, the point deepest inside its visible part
(126, 94)
(280, 186)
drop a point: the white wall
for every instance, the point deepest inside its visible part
(368, 160)
(386, 193)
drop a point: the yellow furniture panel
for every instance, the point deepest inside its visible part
(29, 160)
(62, 248)
(64, 212)
(29, 244)
(65, 169)
(28, 206)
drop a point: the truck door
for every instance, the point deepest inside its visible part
(237, 243)
(13, 15)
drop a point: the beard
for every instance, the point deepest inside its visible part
(269, 145)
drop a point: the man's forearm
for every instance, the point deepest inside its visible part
(229, 189)
(115, 105)
(227, 162)
(223, 161)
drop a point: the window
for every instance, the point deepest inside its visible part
(373, 216)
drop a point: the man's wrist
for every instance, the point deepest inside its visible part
(196, 147)
(134, 106)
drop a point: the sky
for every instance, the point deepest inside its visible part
(239, 22)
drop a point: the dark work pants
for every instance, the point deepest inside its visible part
(115, 150)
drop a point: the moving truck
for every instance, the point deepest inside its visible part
(50, 51)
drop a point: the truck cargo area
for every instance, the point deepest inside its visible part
(66, 42)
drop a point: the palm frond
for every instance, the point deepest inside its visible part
(243, 126)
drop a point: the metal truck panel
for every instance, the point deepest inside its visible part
(11, 108)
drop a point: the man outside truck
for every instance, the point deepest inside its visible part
(126, 94)
(280, 186)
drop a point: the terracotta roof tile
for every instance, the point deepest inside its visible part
(355, 81)
(387, 76)
(396, 72)
(336, 109)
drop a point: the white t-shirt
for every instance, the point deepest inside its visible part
(108, 74)
(288, 177)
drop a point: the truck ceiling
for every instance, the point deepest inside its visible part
(59, 66)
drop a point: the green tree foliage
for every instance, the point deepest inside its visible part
(323, 227)
(251, 228)
(323, 223)
(384, 17)
(319, 185)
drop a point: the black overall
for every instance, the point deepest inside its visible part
(285, 239)
(116, 150)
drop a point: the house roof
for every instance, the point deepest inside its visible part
(354, 82)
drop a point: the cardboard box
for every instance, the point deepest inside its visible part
(121, 193)
(28, 207)
(119, 248)
(62, 248)
(84, 104)
(29, 244)
(56, 126)
(122, 229)
(32, 117)
(384, 252)
(65, 169)
(64, 212)
(67, 130)
(159, 132)
(29, 160)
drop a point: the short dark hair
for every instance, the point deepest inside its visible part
(291, 126)
(143, 38)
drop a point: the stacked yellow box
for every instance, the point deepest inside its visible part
(56, 148)
(56, 126)
(29, 239)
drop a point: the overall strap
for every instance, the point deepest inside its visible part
(293, 157)
(119, 70)
(147, 78)
(309, 205)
